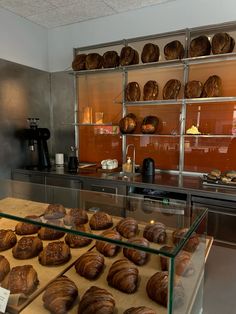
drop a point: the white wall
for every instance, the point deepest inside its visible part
(22, 41)
(171, 16)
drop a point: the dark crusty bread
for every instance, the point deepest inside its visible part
(27, 247)
(222, 43)
(111, 59)
(171, 89)
(128, 124)
(93, 61)
(90, 265)
(127, 227)
(150, 90)
(106, 248)
(78, 63)
(149, 125)
(7, 239)
(4, 267)
(193, 89)
(132, 92)
(212, 87)
(150, 53)
(138, 257)
(45, 233)
(128, 56)
(174, 50)
(200, 46)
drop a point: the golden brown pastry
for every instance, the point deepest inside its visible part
(150, 53)
(128, 56)
(171, 89)
(139, 310)
(127, 227)
(155, 232)
(7, 239)
(96, 301)
(216, 173)
(27, 247)
(157, 289)
(55, 253)
(90, 265)
(24, 228)
(76, 241)
(21, 279)
(54, 211)
(93, 61)
(128, 124)
(106, 248)
(78, 63)
(150, 90)
(100, 220)
(138, 257)
(76, 216)
(192, 244)
(4, 267)
(200, 46)
(212, 87)
(193, 89)
(149, 125)
(132, 92)
(123, 276)
(111, 59)
(46, 233)
(60, 295)
(222, 43)
(174, 50)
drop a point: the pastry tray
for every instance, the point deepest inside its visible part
(219, 183)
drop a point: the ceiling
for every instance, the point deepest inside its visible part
(54, 13)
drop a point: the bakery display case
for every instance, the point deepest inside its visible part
(140, 257)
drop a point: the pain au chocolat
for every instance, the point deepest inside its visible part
(55, 253)
(27, 247)
(90, 265)
(4, 267)
(7, 239)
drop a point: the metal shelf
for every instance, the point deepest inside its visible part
(155, 135)
(209, 100)
(154, 102)
(210, 58)
(210, 135)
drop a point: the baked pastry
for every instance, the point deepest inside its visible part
(24, 228)
(139, 310)
(128, 124)
(230, 174)
(127, 227)
(155, 232)
(4, 267)
(50, 234)
(157, 289)
(96, 301)
(171, 89)
(212, 87)
(193, 89)
(76, 241)
(78, 63)
(183, 264)
(60, 295)
(138, 257)
(93, 61)
(90, 265)
(123, 276)
(193, 242)
(54, 211)
(216, 173)
(100, 220)
(150, 53)
(111, 59)
(128, 56)
(149, 125)
(106, 248)
(21, 279)
(200, 46)
(7, 239)
(174, 50)
(132, 92)
(222, 43)
(27, 247)
(76, 216)
(150, 90)
(55, 253)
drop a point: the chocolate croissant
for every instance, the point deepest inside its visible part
(4, 267)
(155, 232)
(123, 276)
(90, 265)
(76, 241)
(106, 248)
(127, 227)
(24, 228)
(54, 211)
(193, 242)
(100, 220)
(96, 301)
(55, 253)
(139, 310)
(21, 279)
(60, 295)
(27, 247)
(7, 239)
(75, 217)
(138, 257)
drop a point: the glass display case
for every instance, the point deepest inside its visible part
(151, 255)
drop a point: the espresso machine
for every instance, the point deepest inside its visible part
(37, 148)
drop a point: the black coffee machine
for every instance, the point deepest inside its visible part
(37, 151)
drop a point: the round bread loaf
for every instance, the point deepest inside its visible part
(212, 87)
(149, 125)
(24, 228)
(111, 59)
(128, 56)
(78, 63)
(150, 53)
(155, 232)
(200, 46)
(76, 216)
(4, 267)
(222, 43)
(128, 124)
(93, 61)
(193, 242)
(54, 211)
(76, 241)
(174, 50)
(90, 265)
(132, 92)
(106, 248)
(139, 310)
(7, 239)
(193, 89)
(100, 220)
(150, 90)
(55, 253)
(138, 257)
(127, 227)
(27, 247)
(171, 89)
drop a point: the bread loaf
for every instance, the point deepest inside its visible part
(150, 90)
(4, 267)
(93, 61)
(7, 239)
(55, 253)
(138, 257)
(27, 247)
(150, 53)
(171, 89)
(24, 228)
(76, 216)
(200, 46)
(76, 241)
(60, 295)
(149, 125)
(111, 59)
(100, 220)
(90, 265)
(132, 92)
(106, 248)
(139, 310)
(54, 211)
(174, 50)
(179, 234)
(127, 227)
(193, 89)
(128, 56)
(222, 43)
(155, 232)
(78, 63)
(212, 87)
(128, 124)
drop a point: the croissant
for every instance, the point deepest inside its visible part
(76, 216)
(106, 248)
(138, 257)
(100, 220)
(27, 247)
(7, 239)
(127, 227)
(4, 267)
(54, 211)
(60, 295)
(123, 276)
(76, 241)
(96, 301)
(24, 228)
(193, 242)
(155, 232)
(55, 253)
(139, 310)
(90, 265)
